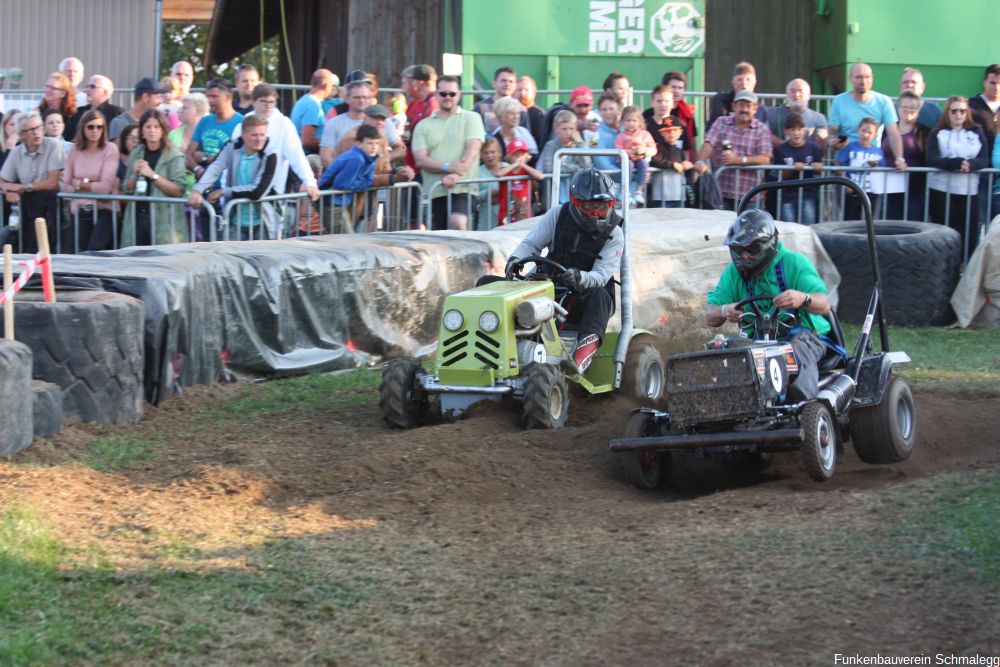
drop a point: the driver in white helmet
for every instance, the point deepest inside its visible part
(583, 235)
(762, 265)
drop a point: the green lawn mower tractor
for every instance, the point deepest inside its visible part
(509, 339)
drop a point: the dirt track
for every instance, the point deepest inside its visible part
(490, 545)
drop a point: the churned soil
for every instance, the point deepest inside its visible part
(480, 543)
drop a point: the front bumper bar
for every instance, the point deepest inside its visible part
(785, 436)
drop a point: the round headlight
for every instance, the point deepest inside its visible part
(489, 321)
(453, 320)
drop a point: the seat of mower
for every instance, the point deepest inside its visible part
(833, 359)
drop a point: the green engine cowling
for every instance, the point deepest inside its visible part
(476, 341)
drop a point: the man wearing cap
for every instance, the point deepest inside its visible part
(581, 103)
(352, 76)
(739, 139)
(504, 85)
(446, 147)
(850, 107)
(215, 129)
(359, 97)
(721, 104)
(307, 114)
(419, 82)
(147, 96)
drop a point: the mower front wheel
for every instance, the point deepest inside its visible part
(819, 448)
(643, 469)
(546, 397)
(403, 402)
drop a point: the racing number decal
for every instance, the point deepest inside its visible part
(774, 370)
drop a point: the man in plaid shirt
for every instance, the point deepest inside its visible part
(739, 139)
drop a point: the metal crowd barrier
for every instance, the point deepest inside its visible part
(395, 207)
(486, 211)
(69, 230)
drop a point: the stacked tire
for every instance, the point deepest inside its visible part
(919, 264)
(90, 344)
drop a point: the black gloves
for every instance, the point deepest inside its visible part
(570, 278)
(510, 263)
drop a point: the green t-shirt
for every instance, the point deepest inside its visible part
(444, 140)
(800, 275)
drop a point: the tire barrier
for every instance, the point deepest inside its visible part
(89, 344)
(47, 408)
(16, 416)
(919, 264)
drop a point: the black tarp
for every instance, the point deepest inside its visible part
(282, 307)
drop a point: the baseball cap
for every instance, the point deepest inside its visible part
(377, 111)
(149, 85)
(581, 94)
(420, 72)
(516, 146)
(357, 75)
(335, 79)
(747, 95)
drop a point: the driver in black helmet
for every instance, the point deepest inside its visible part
(585, 236)
(762, 265)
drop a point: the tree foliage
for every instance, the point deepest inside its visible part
(187, 41)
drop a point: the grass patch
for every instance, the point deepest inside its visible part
(115, 452)
(55, 611)
(302, 393)
(961, 523)
(951, 358)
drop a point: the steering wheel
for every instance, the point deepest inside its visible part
(513, 271)
(770, 325)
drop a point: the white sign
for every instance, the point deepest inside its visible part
(619, 26)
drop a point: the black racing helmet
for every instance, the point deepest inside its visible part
(752, 241)
(593, 195)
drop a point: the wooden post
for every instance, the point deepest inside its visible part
(48, 284)
(8, 280)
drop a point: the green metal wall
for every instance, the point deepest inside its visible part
(949, 42)
(578, 42)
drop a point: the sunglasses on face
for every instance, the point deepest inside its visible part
(95, 126)
(447, 93)
(31, 129)
(962, 110)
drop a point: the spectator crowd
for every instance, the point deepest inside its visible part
(478, 167)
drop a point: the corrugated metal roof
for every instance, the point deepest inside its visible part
(111, 37)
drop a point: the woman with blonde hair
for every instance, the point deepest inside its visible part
(59, 95)
(508, 112)
(193, 107)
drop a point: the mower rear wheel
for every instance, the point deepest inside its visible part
(819, 448)
(643, 469)
(643, 375)
(546, 397)
(402, 401)
(886, 433)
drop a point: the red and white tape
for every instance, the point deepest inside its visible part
(30, 266)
